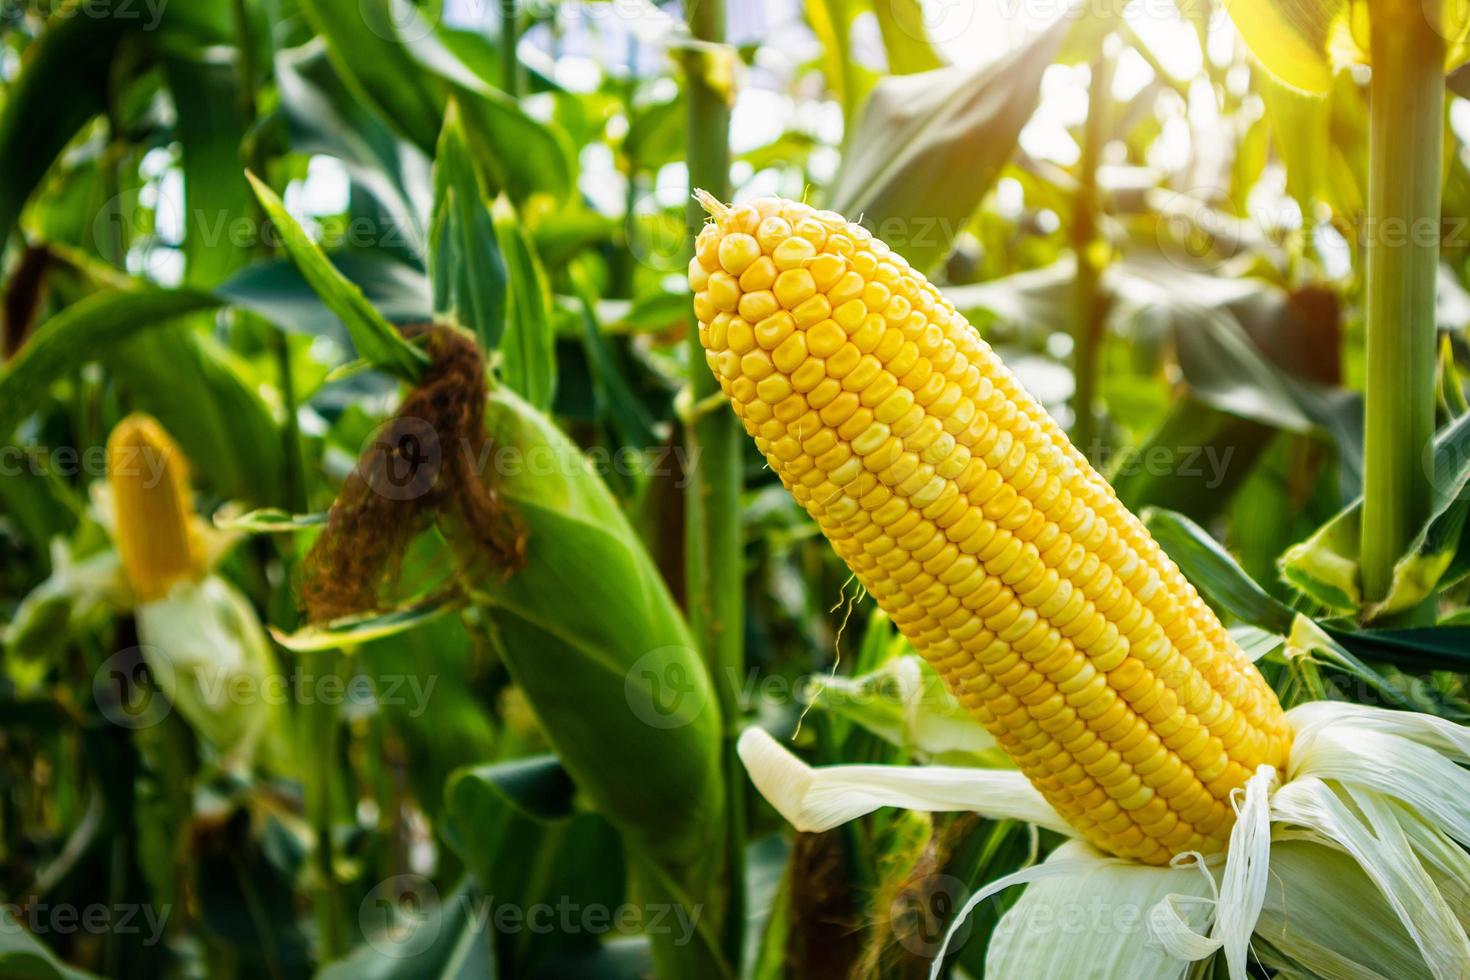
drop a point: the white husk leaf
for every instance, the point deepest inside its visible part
(1384, 787)
(1247, 862)
(207, 651)
(814, 800)
(1323, 910)
(1090, 917)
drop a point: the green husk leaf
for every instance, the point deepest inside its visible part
(595, 642)
(528, 346)
(268, 520)
(1314, 890)
(468, 271)
(641, 690)
(344, 634)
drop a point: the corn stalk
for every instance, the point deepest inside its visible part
(1090, 304)
(714, 582)
(1406, 140)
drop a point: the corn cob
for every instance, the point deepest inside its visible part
(152, 506)
(999, 552)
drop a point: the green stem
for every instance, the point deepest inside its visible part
(295, 481)
(320, 729)
(1088, 313)
(626, 261)
(510, 65)
(256, 160)
(714, 575)
(1406, 141)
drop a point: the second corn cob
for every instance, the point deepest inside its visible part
(999, 552)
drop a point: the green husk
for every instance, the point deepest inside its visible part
(595, 641)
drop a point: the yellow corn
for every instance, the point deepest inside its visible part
(963, 509)
(153, 508)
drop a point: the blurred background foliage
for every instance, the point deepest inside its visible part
(1162, 243)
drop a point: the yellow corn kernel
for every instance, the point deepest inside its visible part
(737, 252)
(998, 551)
(793, 287)
(153, 508)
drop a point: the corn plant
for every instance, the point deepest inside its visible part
(858, 488)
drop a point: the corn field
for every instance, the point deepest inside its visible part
(747, 490)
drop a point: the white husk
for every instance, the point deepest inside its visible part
(207, 651)
(814, 800)
(1091, 917)
(1385, 788)
(1242, 888)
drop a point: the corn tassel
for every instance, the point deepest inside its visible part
(999, 552)
(153, 508)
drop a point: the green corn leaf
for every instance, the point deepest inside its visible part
(25, 957)
(79, 334)
(528, 346)
(440, 939)
(1293, 39)
(278, 292)
(1303, 42)
(927, 147)
(1414, 650)
(1192, 463)
(516, 827)
(1325, 566)
(1452, 400)
(616, 399)
(322, 115)
(204, 85)
(906, 704)
(905, 37)
(367, 50)
(344, 634)
(191, 384)
(372, 335)
(831, 21)
(467, 270)
(63, 84)
(1300, 126)
(1212, 570)
(522, 155)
